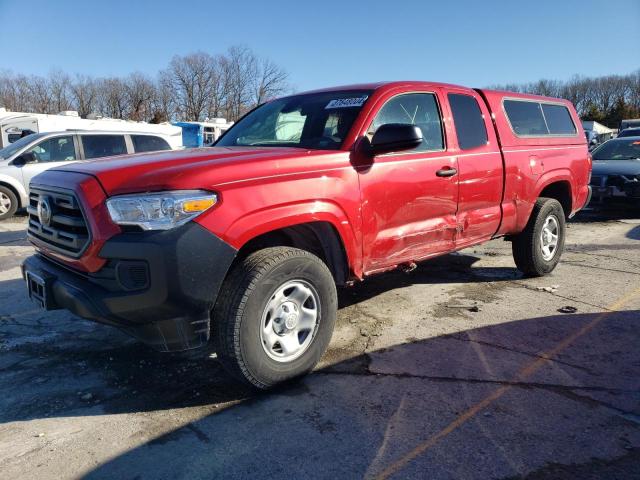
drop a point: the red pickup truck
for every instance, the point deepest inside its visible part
(247, 241)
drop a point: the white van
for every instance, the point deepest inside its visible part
(16, 125)
(21, 160)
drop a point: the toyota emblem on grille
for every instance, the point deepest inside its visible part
(44, 211)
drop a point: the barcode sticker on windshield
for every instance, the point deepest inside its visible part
(346, 102)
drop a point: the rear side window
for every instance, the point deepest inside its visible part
(558, 119)
(539, 119)
(96, 146)
(148, 143)
(470, 126)
(420, 109)
(526, 117)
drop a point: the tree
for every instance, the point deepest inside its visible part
(84, 93)
(191, 78)
(270, 82)
(59, 86)
(111, 98)
(192, 87)
(41, 99)
(140, 92)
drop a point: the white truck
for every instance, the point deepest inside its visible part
(16, 125)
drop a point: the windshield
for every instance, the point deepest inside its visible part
(618, 150)
(12, 148)
(317, 121)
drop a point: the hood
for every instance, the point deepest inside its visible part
(198, 168)
(629, 168)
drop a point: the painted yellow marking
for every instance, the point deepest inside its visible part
(523, 374)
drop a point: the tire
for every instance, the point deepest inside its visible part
(259, 293)
(528, 247)
(8, 203)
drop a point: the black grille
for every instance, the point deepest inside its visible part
(66, 231)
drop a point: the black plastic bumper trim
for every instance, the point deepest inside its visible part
(186, 268)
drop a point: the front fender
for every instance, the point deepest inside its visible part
(263, 221)
(23, 197)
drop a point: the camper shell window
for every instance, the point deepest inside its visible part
(529, 118)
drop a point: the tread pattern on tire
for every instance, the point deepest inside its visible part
(233, 297)
(523, 245)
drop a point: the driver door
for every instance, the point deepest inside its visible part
(49, 153)
(409, 198)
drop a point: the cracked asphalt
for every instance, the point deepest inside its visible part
(460, 369)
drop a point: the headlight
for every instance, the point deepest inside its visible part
(160, 211)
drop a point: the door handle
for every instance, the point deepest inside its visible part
(446, 172)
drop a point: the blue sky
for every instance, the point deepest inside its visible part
(323, 43)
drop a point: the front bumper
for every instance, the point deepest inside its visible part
(156, 286)
(614, 187)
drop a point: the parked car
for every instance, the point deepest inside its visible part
(616, 171)
(629, 123)
(37, 152)
(250, 238)
(630, 132)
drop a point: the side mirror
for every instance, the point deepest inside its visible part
(27, 157)
(395, 137)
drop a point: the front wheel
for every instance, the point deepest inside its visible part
(275, 316)
(537, 249)
(8, 203)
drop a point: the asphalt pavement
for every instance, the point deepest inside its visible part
(461, 369)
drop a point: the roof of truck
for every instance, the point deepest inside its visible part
(376, 85)
(427, 84)
(526, 96)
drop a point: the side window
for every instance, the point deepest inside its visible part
(420, 109)
(148, 143)
(96, 146)
(467, 117)
(558, 119)
(526, 118)
(56, 149)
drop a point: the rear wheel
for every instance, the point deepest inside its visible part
(8, 203)
(275, 316)
(537, 249)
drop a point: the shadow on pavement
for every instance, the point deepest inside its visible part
(360, 417)
(379, 413)
(634, 233)
(61, 358)
(14, 237)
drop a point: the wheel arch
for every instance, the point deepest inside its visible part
(560, 190)
(318, 237)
